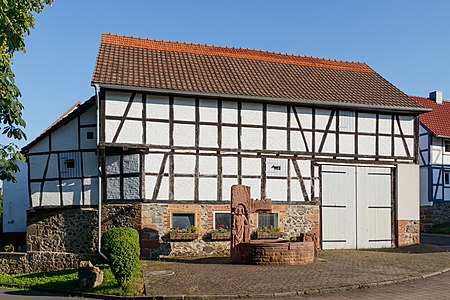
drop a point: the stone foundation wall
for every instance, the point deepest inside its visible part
(408, 232)
(278, 253)
(436, 214)
(15, 263)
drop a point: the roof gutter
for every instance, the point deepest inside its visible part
(315, 103)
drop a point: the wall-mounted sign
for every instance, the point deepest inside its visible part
(276, 167)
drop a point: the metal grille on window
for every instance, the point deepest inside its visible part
(267, 220)
(69, 164)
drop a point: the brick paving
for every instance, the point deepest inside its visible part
(216, 276)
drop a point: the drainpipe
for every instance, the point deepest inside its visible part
(97, 90)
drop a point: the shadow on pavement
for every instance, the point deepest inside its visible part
(413, 249)
(220, 260)
(35, 294)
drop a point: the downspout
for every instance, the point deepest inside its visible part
(97, 90)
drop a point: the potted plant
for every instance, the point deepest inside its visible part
(268, 232)
(9, 248)
(186, 234)
(221, 234)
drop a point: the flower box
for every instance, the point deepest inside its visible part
(268, 235)
(220, 236)
(179, 236)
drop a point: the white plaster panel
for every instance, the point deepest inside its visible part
(207, 189)
(163, 193)
(131, 163)
(184, 188)
(208, 165)
(322, 118)
(229, 137)
(346, 121)
(153, 163)
(229, 112)
(304, 115)
(208, 136)
(35, 188)
(296, 190)
(446, 159)
(16, 201)
(112, 164)
(251, 113)
(53, 171)
(66, 137)
(90, 164)
(229, 165)
(329, 145)
(208, 110)
(89, 117)
(158, 133)
(385, 124)
(367, 122)
(131, 187)
(184, 164)
(297, 143)
(276, 189)
(37, 166)
(131, 132)
(422, 129)
(255, 187)
(90, 191)
(184, 109)
(41, 146)
(113, 188)
(71, 191)
(303, 165)
(116, 104)
(251, 138)
(157, 107)
(110, 129)
(251, 166)
(408, 192)
(226, 187)
(385, 145)
(150, 181)
(51, 193)
(184, 135)
(86, 143)
(399, 148)
(276, 115)
(407, 124)
(346, 143)
(276, 140)
(424, 187)
(366, 145)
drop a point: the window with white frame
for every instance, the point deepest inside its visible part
(267, 220)
(183, 220)
(222, 220)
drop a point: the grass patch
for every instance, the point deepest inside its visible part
(67, 280)
(444, 228)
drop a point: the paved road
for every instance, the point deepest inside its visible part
(442, 240)
(26, 295)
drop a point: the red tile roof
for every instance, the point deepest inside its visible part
(205, 69)
(437, 120)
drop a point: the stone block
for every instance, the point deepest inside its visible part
(89, 276)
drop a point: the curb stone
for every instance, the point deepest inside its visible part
(304, 292)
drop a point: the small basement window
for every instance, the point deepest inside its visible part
(267, 220)
(222, 220)
(183, 220)
(447, 146)
(90, 135)
(447, 178)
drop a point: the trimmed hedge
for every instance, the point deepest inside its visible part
(121, 247)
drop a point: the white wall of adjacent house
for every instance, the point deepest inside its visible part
(64, 165)
(16, 202)
(439, 155)
(198, 157)
(408, 192)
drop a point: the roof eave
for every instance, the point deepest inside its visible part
(314, 103)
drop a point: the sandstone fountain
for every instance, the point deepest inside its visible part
(261, 252)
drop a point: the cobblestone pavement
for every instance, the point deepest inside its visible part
(216, 276)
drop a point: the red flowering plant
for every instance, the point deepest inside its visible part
(222, 228)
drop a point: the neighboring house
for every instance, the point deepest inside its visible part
(174, 125)
(435, 160)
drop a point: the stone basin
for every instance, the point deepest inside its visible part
(277, 252)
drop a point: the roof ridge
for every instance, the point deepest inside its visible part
(236, 52)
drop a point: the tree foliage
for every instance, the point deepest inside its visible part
(16, 20)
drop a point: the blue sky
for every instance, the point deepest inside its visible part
(407, 42)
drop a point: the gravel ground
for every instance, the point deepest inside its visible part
(216, 276)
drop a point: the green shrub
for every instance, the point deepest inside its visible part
(121, 247)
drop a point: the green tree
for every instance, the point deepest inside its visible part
(16, 20)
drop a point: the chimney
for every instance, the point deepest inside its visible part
(436, 96)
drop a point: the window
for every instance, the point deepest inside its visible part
(447, 178)
(70, 163)
(89, 135)
(183, 220)
(267, 220)
(222, 219)
(447, 145)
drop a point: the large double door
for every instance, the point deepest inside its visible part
(356, 207)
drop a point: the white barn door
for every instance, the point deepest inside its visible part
(356, 207)
(338, 207)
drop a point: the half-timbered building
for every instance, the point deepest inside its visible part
(434, 160)
(174, 125)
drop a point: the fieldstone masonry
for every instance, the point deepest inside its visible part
(438, 213)
(408, 232)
